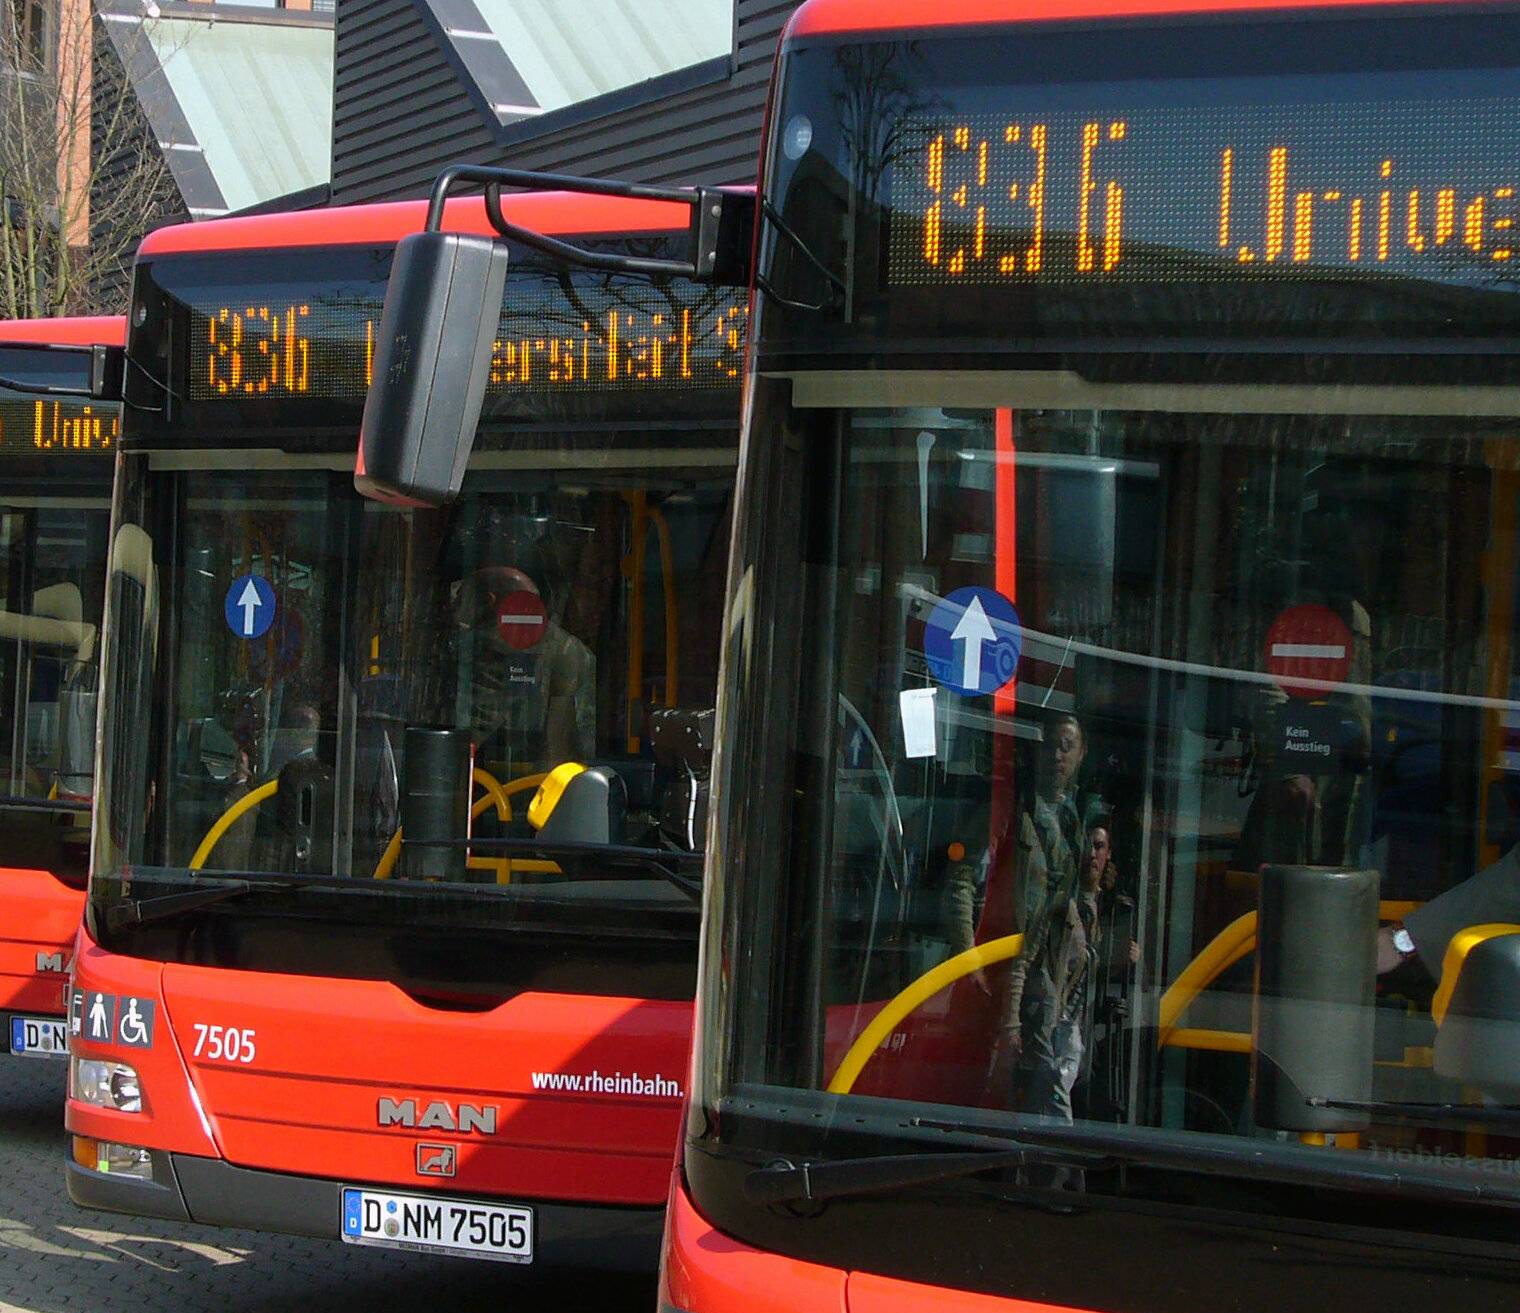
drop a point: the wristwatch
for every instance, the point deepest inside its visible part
(1403, 941)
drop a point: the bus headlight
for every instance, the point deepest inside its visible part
(105, 1084)
(113, 1159)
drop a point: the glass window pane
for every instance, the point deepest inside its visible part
(1158, 706)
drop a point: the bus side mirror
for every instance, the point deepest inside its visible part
(88, 372)
(432, 361)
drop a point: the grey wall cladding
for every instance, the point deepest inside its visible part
(404, 106)
(112, 226)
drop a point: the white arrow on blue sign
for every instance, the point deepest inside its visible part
(250, 606)
(971, 641)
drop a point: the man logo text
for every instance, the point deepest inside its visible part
(58, 962)
(438, 1116)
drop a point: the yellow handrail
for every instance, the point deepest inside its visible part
(1236, 941)
(1462, 943)
(500, 795)
(1215, 1041)
(493, 791)
(1228, 947)
(496, 795)
(229, 818)
(633, 571)
(389, 857)
(914, 996)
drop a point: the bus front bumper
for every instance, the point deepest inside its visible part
(187, 1188)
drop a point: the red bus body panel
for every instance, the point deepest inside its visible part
(561, 214)
(83, 330)
(39, 913)
(327, 1051)
(38, 917)
(869, 17)
(705, 1271)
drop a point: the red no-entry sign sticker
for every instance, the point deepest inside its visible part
(520, 620)
(1308, 650)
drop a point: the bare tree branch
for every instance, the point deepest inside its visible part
(81, 178)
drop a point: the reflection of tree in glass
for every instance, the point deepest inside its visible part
(622, 329)
(879, 96)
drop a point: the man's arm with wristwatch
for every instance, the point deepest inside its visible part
(1492, 895)
(1395, 946)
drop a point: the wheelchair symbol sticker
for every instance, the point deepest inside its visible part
(134, 1023)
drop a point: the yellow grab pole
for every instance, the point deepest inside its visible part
(914, 996)
(229, 818)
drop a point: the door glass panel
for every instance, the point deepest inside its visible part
(52, 556)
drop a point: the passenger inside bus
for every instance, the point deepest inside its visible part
(1049, 982)
(532, 683)
(1491, 897)
(1311, 808)
(1103, 1079)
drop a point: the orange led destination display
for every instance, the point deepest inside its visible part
(57, 428)
(553, 338)
(1407, 189)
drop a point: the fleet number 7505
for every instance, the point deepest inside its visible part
(224, 1043)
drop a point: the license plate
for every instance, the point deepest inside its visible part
(40, 1037)
(503, 1232)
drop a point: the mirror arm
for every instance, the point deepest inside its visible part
(711, 257)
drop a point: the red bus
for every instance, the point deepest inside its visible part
(57, 444)
(393, 921)
(1112, 897)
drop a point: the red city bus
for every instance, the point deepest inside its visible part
(393, 921)
(57, 444)
(1112, 897)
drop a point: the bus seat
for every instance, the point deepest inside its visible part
(638, 776)
(1477, 1009)
(580, 804)
(55, 620)
(683, 742)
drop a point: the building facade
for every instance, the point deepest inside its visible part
(669, 92)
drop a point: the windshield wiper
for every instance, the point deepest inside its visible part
(1433, 1114)
(814, 1182)
(20, 802)
(140, 911)
(1252, 1160)
(661, 862)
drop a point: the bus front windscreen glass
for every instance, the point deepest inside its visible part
(367, 699)
(1119, 746)
(493, 717)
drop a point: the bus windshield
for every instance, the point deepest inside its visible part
(1121, 662)
(366, 699)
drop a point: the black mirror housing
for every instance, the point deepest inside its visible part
(432, 361)
(88, 372)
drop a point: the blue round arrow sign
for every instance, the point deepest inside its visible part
(971, 641)
(250, 606)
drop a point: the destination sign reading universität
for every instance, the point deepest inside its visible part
(1409, 189)
(556, 336)
(57, 428)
